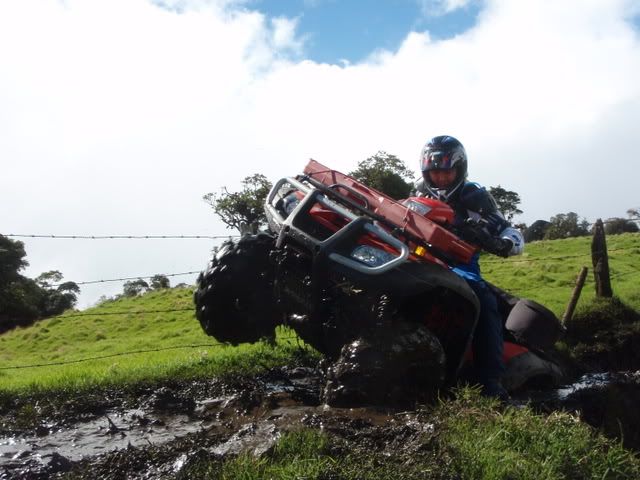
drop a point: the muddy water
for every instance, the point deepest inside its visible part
(168, 428)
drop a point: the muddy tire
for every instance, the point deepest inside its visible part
(396, 365)
(233, 298)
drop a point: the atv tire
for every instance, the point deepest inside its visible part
(389, 366)
(233, 298)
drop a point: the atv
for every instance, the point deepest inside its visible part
(366, 280)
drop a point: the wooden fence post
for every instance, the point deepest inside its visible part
(600, 259)
(575, 296)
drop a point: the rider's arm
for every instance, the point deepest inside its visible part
(486, 226)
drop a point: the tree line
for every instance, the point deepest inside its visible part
(243, 210)
(24, 300)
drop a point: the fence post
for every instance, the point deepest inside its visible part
(575, 296)
(600, 259)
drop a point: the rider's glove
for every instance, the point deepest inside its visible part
(475, 232)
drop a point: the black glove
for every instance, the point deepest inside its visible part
(475, 232)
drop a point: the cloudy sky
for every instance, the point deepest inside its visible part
(116, 116)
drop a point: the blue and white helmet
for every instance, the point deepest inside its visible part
(443, 153)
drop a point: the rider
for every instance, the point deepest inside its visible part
(444, 171)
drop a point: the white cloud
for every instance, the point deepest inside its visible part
(116, 117)
(435, 8)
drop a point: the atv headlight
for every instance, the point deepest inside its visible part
(371, 256)
(417, 207)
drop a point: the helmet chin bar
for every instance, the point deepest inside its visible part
(443, 194)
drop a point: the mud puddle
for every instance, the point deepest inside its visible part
(170, 427)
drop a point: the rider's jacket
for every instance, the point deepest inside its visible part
(474, 205)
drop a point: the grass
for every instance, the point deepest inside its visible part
(475, 438)
(170, 345)
(547, 271)
(490, 443)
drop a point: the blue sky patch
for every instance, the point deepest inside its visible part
(339, 30)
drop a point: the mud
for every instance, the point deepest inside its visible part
(164, 432)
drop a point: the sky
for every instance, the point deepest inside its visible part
(117, 116)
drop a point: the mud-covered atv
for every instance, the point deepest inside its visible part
(365, 280)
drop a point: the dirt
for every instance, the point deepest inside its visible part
(163, 432)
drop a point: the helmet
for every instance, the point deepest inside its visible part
(443, 153)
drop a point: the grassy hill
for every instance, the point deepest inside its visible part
(161, 327)
(135, 342)
(547, 271)
(130, 340)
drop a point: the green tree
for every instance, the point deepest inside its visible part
(23, 300)
(133, 288)
(565, 225)
(56, 297)
(19, 296)
(386, 173)
(243, 210)
(159, 282)
(615, 226)
(507, 201)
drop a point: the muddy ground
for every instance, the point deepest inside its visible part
(161, 432)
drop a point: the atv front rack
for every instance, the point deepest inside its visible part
(332, 246)
(385, 219)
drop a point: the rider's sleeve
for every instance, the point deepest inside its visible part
(498, 236)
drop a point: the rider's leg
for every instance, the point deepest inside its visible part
(488, 342)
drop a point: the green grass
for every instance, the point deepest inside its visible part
(547, 271)
(473, 438)
(171, 345)
(490, 443)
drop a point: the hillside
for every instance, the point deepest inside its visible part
(547, 271)
(170, 340)
(134, 389)
(130, 340)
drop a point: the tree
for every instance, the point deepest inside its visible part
(56, 297)
(634, 213)
(615, 226)
(133, 288)
(159, 282)
(243, 210)
(507, 201)
(536, 231)
(565, 225)
(23, 300)
(386, 173)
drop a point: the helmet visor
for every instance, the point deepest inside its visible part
(437, 160)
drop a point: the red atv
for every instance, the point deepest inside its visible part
(365, 280)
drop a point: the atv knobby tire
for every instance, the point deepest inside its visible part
(394, 365)
(234, 299)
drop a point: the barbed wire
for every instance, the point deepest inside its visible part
(126, 312)
(111, 355)
(518, 259)
(121, 354)
(111, 237)
(88, 282)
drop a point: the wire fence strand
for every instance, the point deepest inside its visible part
(139, 277)
(129, 352)
(126, 312)
(111, 237)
